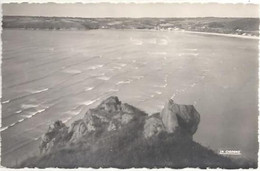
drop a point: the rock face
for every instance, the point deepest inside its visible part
(112, 115)
(56, 134)
(180, 117)
(153, 126)
(116, 134)
(174, 118)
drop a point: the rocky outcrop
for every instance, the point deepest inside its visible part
(116, 134)
(57, 133)
(176, 119)
(184, 118)
(110, 115)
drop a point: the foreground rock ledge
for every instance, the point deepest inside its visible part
(180, 120)
(116, 134)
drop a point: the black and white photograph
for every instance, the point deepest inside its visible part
(129, 85)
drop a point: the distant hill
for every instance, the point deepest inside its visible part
(239, 26)
(116, 134)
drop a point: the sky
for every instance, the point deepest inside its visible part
(132, 10)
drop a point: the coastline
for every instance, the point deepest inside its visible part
(222, 34)
(205, 33)
(183, 31)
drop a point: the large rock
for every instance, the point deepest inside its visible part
(112, 115)
(153, 126)
(111, 104)
(56, 135)
(184, 118)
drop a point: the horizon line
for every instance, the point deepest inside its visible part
(121, 17)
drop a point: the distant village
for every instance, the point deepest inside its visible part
(236, 26)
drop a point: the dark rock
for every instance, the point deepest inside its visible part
(184, 118)
(57, 133)
(111, 104)
(110, 115)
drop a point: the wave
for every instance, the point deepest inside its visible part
(72, 71)
(122, 65)
(4, 128)
(138, 77)
(18, 111)
(165, 78)
(98, 75)
(142, 100)
(161, 86)
(12, 124)
(95, 67)
(158, 92)
(38, 91)
(113, 90)
(7, 101)
(191, 49)
(124, 82)
(26, 116)
(31, 92)
(37, 138)
(76, 110)
(20, 120)
(104, 78)
(89, 102)
(27, 106)
(73, 112)
(174, 94)
(31, 114)
(188, 54)
(66, 119)
(89, 88)
(158, 53)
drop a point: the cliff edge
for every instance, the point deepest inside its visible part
(116, 134)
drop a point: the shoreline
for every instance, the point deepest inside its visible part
(223, 34)
(182, 31)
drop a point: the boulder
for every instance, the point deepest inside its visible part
(180, 117)
(111, 104)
